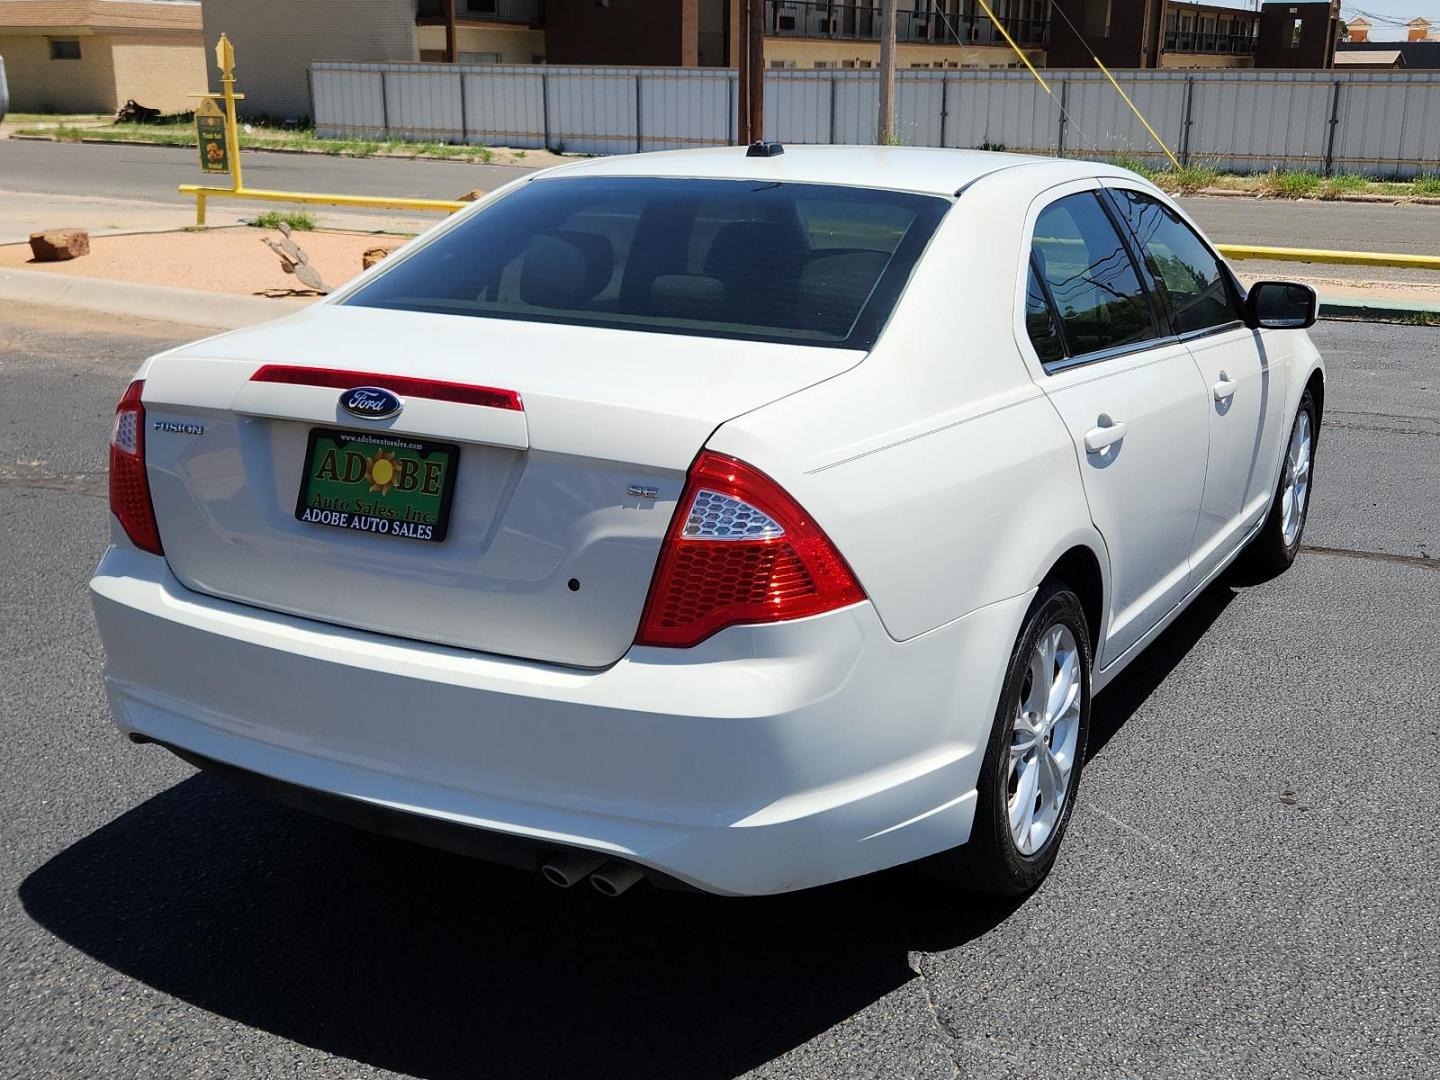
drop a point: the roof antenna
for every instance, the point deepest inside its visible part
(765, 149)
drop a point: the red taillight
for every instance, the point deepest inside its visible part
(129, 490)
(740, 550)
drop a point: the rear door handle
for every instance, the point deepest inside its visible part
(1098, 438)
(1225, 388)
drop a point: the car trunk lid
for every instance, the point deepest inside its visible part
(557, 506)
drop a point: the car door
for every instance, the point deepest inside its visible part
(1245, 385)
(1131, 398)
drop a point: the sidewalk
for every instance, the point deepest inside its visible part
(233, 261)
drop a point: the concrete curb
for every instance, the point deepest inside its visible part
(1359, 197)
(189, 307)
(1380, 310)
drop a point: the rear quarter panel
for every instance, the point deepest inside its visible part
(936, 466)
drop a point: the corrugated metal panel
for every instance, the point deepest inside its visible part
(1251, 121)
(919, 97)
(1386, 126)
(504, 107)
(593, 110)
(1102, 124)
(423, 106)
(349, 104)
(683, 107)
(797, 107)
(1383, 123)
(1001, 109)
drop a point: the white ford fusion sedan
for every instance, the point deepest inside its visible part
(736, 519)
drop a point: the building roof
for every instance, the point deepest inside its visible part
(930, 170)
(1370, 58)
(94, 15)
(1417, 54)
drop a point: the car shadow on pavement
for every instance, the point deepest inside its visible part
(433, 965)
(436, 966)
(1120, 700)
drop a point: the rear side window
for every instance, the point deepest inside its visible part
(805, 263)
(1190, 279)
(1099, 298)
(1040, 321)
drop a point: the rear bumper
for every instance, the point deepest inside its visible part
(765, 760)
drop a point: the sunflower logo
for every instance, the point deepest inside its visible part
(381, 472)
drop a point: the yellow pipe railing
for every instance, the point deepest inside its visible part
(1320, 255)
(370, 202)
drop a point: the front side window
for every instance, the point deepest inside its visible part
(64, 48)
(1099, 298)
(1191, 281)
(812, 264)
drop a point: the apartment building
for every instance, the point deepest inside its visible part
(928, 33)
(1169, 34)
(94, 55)
(276, 47)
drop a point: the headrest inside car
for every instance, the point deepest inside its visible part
(565, 269)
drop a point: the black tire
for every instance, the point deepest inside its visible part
(1269, 554)
(991, 862)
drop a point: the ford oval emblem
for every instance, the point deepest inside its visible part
(370, 403)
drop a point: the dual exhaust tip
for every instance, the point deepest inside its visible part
(608, 876)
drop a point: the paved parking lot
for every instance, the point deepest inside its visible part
(1248, 888)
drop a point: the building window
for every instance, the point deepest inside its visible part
(479, 58)
(1095, 18)
(1292, 38)
(783, 64)
(64, 48)
(823, 64)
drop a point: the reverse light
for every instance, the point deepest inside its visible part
(740, 550)
(129, 488)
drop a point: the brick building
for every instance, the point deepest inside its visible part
(94, 55)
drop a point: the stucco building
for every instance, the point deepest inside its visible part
(94, 55)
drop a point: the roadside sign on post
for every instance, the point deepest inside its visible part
(211, 136)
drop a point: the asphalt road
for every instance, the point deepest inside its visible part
(152, 173)
(1247, 890)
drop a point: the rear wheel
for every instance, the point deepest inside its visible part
(1278, 541)
(1034, 757)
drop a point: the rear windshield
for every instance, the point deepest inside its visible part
(805, 263)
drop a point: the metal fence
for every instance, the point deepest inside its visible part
(1377, 123)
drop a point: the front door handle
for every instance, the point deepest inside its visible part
(1098, 438)
(1225, 389)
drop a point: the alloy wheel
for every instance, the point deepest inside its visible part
(1295, 494)
(1044, 738)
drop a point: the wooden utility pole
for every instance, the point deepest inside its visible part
(885, 131)
(755, 95)
(451, 54)
(742, 81)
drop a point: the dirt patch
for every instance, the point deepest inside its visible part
(231, 260)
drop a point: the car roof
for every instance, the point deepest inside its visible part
(931, 170)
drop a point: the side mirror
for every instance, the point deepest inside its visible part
(1280, 305)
